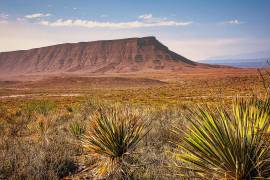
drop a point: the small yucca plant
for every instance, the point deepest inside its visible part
(113, 134)
(220, 144)
(77, 129)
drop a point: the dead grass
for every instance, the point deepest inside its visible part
(39, 134)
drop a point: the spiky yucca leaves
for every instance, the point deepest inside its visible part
(221, 144)
(77, 129)
(113, 133)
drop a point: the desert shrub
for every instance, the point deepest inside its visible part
(42, 107)
(27, 159)
(36, 147)
(113, 134)
(223, 144)
(55, 158)
(13, 123)
(77, 129)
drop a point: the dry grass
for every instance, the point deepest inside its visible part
(41, 135)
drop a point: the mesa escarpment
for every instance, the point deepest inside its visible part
(108, 56)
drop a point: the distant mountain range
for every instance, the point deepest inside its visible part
(244, 63)
(248, 60)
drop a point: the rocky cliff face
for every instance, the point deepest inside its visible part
(123, 55)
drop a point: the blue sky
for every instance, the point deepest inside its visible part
(197, 29)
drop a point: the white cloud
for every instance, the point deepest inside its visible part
(148, 21)
(149, 18)
(37, 15)
(233, 22)
(145, 16)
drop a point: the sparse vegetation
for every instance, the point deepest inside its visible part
(104, 135)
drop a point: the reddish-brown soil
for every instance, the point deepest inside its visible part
(83, 82)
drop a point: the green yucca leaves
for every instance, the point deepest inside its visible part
(77, 129)
(222, 144)
(113, 133)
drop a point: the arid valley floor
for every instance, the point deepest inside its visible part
(144, 88)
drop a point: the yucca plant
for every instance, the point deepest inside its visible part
(223, 144)
(113, 133)
(77, 129)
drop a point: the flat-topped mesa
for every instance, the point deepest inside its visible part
(122, 55)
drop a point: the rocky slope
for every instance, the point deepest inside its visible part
(109, 56)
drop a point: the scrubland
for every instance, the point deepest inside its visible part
(182, 129)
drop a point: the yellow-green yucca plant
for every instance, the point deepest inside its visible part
(77, 129)
(226, 144)
(113, 133)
